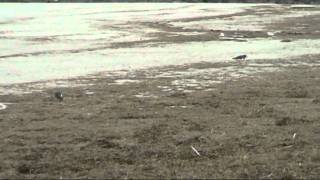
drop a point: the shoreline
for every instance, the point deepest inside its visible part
(216, 33)
(257, 119)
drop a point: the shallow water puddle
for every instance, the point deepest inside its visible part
(145, 95)
(39, 48)
(250, 22)
(59, 66)
(198, 79)
(125, 81)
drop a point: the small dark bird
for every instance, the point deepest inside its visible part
(241, 57)
(58, 95)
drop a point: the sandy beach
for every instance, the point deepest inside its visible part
(167, 102)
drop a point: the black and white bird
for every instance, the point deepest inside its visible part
(58, 95)
(241, 57)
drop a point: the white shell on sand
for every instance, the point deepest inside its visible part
(3, 106)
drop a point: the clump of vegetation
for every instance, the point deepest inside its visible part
(283, 121)
(316, 100)
(297, 92)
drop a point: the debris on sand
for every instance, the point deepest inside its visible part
(89, 92)
(286, 40)
(270, 33)
(195, 150)
(294, 136)
(236, 39)
(3, 106)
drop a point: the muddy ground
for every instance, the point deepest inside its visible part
(265, 126)
(153, 123)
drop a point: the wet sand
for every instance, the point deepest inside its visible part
(255, 119)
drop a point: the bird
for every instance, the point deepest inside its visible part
(241, 57)
(58, 95)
